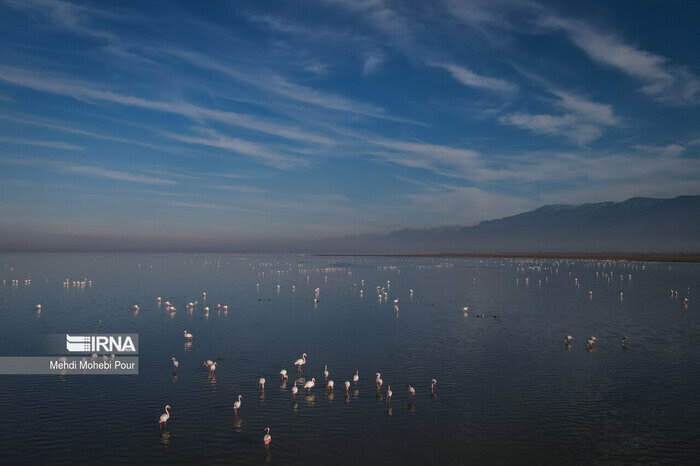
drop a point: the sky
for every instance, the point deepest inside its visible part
(200, 123)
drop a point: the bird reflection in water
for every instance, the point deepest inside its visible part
(379, 396)
(347, 398)
(237, 424)
(283, 385)
(411, 407)
(295, 406)
(174, 377)
(165, 438)
(310, 399)
(188, 346)
(389, 411)
(356, 393)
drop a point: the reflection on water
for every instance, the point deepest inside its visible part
(490, 330)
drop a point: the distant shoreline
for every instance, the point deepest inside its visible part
(639, 257)
(597, 256)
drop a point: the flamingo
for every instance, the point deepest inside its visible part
(309, 385)
(164, 417)
(325, 371)
(411, 391)
(237, 404)
(300, 362)
(212, 368)
(591, 342)
(175, 363)
(261, 383)
(432, 385)
(347, 386)
(267, 438)
(330, 385)
(283, 374)
(379, 381)
(388, 394)
(356, 377)
(295, 389)
(208, 363)
(568, 340)
(188, 336)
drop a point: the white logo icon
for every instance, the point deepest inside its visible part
(78, 344)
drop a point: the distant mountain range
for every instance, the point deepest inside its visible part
(637, 225)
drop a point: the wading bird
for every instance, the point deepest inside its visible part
(237, 404)
(356, 377)
(411, 391)
(283, 374)
(267, 438)
(164, 417)
(347, 386)
(175, 363)
(295, 389)
(388, 394)
(188, 336)
(309, 385)
(300, 362)
(261, 383)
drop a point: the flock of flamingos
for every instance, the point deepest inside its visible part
(210, 366)
(308, 385)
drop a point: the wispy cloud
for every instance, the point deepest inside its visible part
(372, 63)
(56, 84)
(660, 79)
(40, 143)
(88, 170)
(212, 138)
(583, 120)
(471, 79)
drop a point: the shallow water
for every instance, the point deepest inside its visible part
(508, 392)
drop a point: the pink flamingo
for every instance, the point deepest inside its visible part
(175, 363)
(379, 381)
(432, 385)
(164, 417)
(267, 438)
(330, 385)
(300, 362)
(388, 394)
(347, 386)
(188, 336)
(236, 405)
(261, 383)
(295, 389)
(411, 391)
(309, 385)
(283, 374)
(356, 377)
(325, 372)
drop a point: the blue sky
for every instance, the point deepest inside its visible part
(253, 121)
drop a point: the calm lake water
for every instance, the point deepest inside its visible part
(508, 390)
